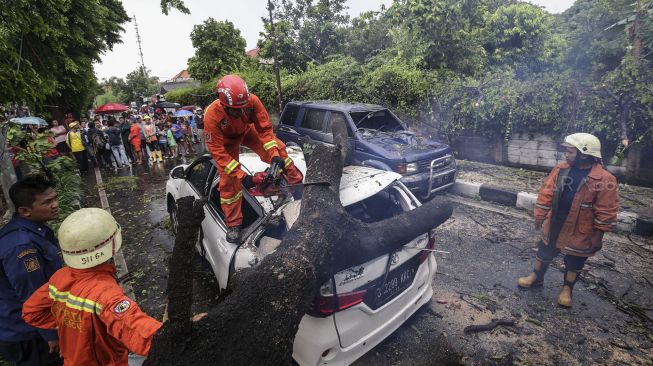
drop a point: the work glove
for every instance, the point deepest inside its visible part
(248, 182)
(277, 162)
(251, 181)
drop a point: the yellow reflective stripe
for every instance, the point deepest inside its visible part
(230, 200)
(542, 206)
(270, 144)
(74, 302)
(611, 223)
(287, 161)
(233, 164)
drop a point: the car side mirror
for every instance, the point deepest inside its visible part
(178, 173)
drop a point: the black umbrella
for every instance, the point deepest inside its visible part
(167, 105)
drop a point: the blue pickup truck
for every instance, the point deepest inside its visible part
(380, 140)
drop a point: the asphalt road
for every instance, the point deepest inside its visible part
(609, 324)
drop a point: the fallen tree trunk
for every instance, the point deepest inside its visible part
(256, 324)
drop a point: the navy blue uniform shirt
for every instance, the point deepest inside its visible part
(29, 255)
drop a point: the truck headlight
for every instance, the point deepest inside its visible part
(411, 168)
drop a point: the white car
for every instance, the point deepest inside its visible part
(360, 306)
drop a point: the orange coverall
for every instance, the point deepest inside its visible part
(224, 135)
(97, 324)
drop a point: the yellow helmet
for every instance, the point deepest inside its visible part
(89, 237)
(586, 143)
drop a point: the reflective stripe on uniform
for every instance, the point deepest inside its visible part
(230, 200)
(74, 302)
(597, 221)
(586, 205)
(270, 144)
(233, 164)
(287, 162)
(542, 206)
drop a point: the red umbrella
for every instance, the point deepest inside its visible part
(189, 108)
(111, 108)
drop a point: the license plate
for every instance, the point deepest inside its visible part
(397, 281)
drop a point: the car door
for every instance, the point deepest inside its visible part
(202, 181)
(312, 124)
(217, 250)
(337, 117)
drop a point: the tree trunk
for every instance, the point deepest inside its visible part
(257, 323)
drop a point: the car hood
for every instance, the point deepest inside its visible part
(404, 144)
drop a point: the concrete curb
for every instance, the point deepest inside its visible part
(628, 222)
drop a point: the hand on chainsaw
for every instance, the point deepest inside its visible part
(276, 165)
(251, 181)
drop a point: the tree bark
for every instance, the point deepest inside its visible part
(257, 323)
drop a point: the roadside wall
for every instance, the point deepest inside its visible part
(541, 152)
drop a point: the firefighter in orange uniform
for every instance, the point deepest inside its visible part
(577, 204)
(96, 323)
(237, 118)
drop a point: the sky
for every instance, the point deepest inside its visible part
(165, 40)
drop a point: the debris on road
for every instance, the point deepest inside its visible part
(490, 326)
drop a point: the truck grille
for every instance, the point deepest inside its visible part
(425, 165)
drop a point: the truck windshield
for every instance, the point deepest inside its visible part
(381, 120)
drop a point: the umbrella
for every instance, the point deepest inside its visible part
(111, 108)
(189, 108)
(182, 113)
(167, 105)
(29, 121)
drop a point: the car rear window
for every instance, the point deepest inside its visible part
(289, 115)
(313, 119)
(380, 206)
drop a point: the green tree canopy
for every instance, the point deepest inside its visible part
(49, 47)
(306, 30)
(219, 49)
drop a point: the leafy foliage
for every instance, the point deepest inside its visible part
(49, 48)
(259, 79)
(167, 5)
(219, 49)
(62, 171)
(306, 30)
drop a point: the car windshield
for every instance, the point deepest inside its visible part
(381, 120)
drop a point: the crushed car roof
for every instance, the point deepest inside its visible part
(344, 107)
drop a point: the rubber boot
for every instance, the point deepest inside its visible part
(565, 294)
(158, 153)
(153, 157)
(536, 278)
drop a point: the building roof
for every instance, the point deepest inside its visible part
(253, 52)
(182, 75)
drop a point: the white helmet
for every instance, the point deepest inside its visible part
(586, 143)
(89, 237)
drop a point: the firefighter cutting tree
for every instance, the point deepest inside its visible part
(237, 118)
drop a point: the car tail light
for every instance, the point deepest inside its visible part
(328, 301)
(430, 246)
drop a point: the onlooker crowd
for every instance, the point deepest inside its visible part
(107, 142)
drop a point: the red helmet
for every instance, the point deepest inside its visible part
(232, 92)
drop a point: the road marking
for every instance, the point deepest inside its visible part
(118, 258)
